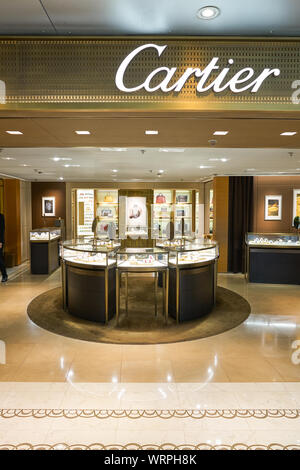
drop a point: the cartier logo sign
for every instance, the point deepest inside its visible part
(244, 79)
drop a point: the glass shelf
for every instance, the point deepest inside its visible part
(153, 258)
(45, 234)
(267, 240)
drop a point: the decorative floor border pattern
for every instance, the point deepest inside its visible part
(135, 446)
(137, 414)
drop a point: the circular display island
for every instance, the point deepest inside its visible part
(89, 278)
(92, 273)
(192, 277)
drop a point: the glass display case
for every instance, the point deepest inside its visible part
(45, 234)
(44, 250)
(265, 240)
(192, 253)
(137, 231)
(153, 258)
(175, 243)
(88, 278)
(273, 258)
(98, 253)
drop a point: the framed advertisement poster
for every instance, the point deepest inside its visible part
(273, 207)
(136, 212)
(296, 203)
(48, 206)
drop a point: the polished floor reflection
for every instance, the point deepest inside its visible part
(260, 350)
(255, 366)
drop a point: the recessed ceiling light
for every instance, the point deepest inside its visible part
(14, 132)
(208, 13)
(82, 132)
(288, 133)
(68, 165)
(24, 164)
(61, 178)
(151, 132)
(113, 149)
(171, 150)
(114, 171)
(218, 159)
(202, 167)
(220, 132)
(7, 158)
(251, 169)
(161, 171)
(57, 159)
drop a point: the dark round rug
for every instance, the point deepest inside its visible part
(141, 326)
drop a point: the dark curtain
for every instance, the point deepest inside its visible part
(240, 220)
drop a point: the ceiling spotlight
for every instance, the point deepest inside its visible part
(151, 132)
(208, 13)
(113, 149)
(288, 133)
(82, 132)
(114, 171)
(61, 178)
(175, 150)
(57, 159)
(14, 132)
(218, 159)
(220, 132)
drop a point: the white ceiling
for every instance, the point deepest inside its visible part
(149, 17)
(135, 164)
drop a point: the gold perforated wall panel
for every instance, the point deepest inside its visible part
(80, 73)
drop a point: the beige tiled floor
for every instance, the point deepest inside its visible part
(246, 368)
(259, 350)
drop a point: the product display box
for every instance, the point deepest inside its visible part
(273, 258)
(44, 250)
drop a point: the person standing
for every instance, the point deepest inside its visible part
(2, 265)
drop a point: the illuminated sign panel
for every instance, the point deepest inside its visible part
(218, 85)
(142, 74)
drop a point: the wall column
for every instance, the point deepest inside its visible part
(12, 216)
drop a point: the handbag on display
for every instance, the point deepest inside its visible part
(106, 213)
(103, 227)
(182, 198)
(108, 198)
(160, 199)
